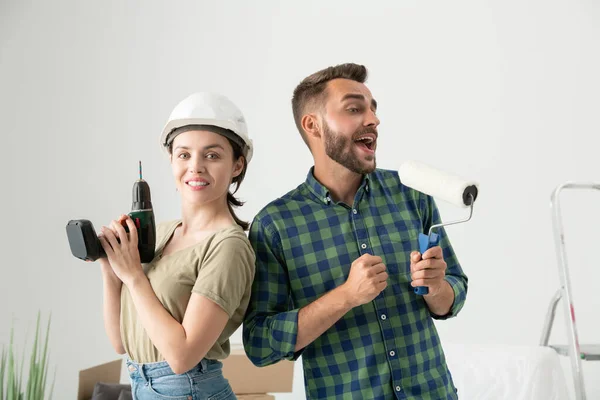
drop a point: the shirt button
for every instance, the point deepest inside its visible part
(383, 316)
(355, 211)
(392, 353)
(398, 388)
(363, 246)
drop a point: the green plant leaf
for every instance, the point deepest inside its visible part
(52, 386)
(10, 386)
(31, 381)
(2, 369)
(44, 363)
(20, 376)
(11, 372)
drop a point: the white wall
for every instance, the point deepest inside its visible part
(504, 92)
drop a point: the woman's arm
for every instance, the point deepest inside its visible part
(182, 345)
(112, 305)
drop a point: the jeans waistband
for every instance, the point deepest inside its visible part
(162, 368)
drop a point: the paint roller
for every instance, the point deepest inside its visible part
(442, 185)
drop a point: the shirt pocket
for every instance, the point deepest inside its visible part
(396, 246)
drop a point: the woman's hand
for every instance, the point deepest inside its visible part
(107, 272)
(122, 250)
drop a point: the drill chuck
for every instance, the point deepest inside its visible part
(141, 199)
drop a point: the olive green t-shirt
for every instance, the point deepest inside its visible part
(220, 267)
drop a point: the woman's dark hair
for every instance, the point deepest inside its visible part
(232, 201)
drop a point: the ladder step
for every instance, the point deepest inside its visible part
(589, 352)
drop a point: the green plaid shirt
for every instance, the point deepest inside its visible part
(305, 244)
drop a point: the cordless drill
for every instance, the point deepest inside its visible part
(85, 244)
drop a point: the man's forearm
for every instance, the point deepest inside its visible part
(441, 303)
(320, 315)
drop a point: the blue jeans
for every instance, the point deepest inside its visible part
(156, 381)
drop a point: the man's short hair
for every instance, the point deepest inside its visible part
(310, 93)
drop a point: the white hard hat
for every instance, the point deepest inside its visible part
(213, 109)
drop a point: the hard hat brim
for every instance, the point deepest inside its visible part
(178, 123)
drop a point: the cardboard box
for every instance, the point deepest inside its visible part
(246, 378)
(247, 381)
(108, 373)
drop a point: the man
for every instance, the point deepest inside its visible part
(336, 266)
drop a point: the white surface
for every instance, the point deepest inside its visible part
(486, 372)
(501, 92)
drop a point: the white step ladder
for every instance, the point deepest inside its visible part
(576, 352)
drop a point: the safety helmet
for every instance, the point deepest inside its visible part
(204, 108)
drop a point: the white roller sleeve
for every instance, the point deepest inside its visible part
(436, 183)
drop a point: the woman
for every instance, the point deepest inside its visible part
(174, 316)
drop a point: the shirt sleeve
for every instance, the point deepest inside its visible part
(454, 274)
(270, 326)
(226, 271)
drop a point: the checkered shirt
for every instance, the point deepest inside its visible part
(305, 244)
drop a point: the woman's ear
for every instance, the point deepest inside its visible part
(238, 166)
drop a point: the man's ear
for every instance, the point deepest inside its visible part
(311, 125)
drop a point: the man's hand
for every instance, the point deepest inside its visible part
(367, 278)
(428, 270)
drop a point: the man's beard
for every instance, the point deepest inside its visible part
(340, 149)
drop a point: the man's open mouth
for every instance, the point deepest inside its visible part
(366, 141)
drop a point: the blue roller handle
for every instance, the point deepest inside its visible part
(425, 243)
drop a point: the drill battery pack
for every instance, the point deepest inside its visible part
(85, 245)
(83, 240)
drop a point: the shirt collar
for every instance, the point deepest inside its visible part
(322, 193)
